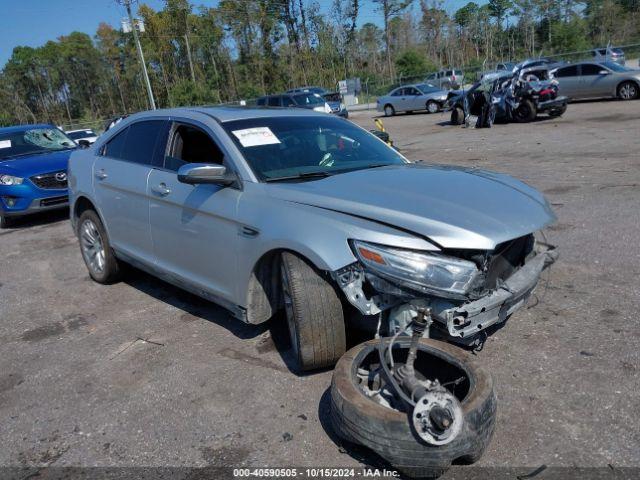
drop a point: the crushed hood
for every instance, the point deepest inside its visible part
(453, 207)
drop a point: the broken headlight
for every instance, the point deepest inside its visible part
(421, 271)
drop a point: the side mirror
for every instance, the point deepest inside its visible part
(84, 143)
(197, 173)
(604, 72)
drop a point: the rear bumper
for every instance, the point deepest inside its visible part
(557, 102)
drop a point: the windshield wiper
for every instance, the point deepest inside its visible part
(300, 176)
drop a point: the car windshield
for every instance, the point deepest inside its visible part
(308, 99)
(616, 67)
(426, 88)
(80, 134)
(284, 148)
(33, 141)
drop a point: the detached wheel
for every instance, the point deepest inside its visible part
(558, 112)
(457, 116)
(526, 112)
(628, 91)
(389, 111)
(365, 419)
(314, 314)
(96, 250)
(432, 106)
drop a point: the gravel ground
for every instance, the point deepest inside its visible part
(141, 373)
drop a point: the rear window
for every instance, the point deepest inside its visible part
(591, 69)
(571, 71)
(274, 101)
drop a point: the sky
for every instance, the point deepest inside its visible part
(34, 22)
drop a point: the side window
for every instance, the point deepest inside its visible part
(114, 147)
(191, 145)
(141, 142)
(590, 69)
(411, 91)
(274, 101)
(449, 73)
(397, 93)
(287, 101)
(262, 101)
(571, 71)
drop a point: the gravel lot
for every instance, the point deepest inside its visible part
(141, 373)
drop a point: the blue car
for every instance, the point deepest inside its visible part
(33, 170)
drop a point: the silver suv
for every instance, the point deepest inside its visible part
(446, 79)
(262, 210)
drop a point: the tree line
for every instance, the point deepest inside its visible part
(246, 48)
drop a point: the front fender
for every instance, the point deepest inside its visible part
(320, 235)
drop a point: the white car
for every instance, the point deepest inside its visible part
(86, 135)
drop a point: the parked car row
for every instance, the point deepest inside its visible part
(410, 98)
(311, 98)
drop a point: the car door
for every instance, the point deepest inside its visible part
(568, 81)
(193, 227)
(593, 82)
(120, 174)
(414, 99)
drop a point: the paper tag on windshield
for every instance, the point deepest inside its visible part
(5, 143)
(253, 137)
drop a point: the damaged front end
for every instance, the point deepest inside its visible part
(467, 291)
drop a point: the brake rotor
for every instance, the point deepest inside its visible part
(437, 417)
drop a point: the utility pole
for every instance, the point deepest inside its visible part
(127, 4)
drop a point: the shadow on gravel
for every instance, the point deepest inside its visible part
(36, 220)
(275, 331)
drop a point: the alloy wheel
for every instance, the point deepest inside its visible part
(92, 247)
(432, 107)
(628, 91)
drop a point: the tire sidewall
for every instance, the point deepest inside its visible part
(393, 427)
(111, 268)
(433, 104)
(389, 111)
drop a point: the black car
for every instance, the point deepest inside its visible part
(308, 100)
(517, 97)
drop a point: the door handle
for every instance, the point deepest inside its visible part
(101, 174)
(161, 189)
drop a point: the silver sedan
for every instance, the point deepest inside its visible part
(407, 98)
(597, 80)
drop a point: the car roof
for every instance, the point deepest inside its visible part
(79, 130)
(22, 128)
(228, 113)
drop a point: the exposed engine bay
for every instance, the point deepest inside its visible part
(467, 291)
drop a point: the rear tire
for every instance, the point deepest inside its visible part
(628, 91)
(557, 112)
(314, 314)
(389, 111)
(96, 250)
(526, 112)
(457, 116)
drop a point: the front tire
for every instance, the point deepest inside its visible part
(389, 111)
(314, 314)
(457, 116)
(5, 222)
(628, 91)
(526, 112)
(96, 250)
(432, 106)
